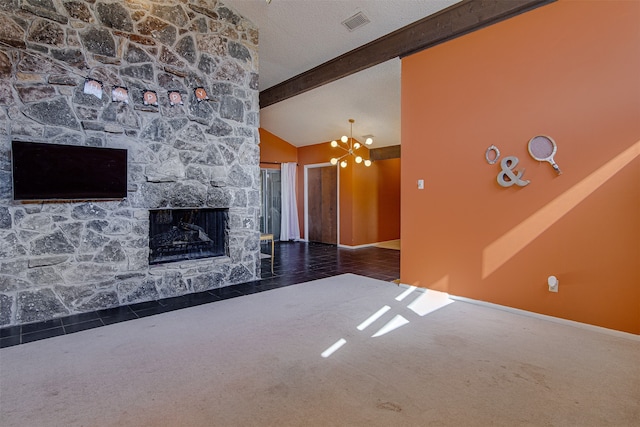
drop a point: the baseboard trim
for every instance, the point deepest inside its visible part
(566, 322)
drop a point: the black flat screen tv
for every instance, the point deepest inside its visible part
(67, 172)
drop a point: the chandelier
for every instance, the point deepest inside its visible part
(350, 146)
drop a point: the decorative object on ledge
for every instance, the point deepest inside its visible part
(120, 94)
(507, 177)
(93, 87)
(201, 94)
(492, 159)
(542, 148)
(149, 97)
(175, 98)
(349, 145)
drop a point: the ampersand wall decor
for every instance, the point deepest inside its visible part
(507, 177)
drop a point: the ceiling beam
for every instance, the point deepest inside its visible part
(455, 21)
(384, 153)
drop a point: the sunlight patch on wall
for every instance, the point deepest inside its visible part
(500, 251)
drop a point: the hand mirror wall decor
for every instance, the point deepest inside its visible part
(543, 148)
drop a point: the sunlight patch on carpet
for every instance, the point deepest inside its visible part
(375, 316)
(429, 301)
(406, 293)
(426, 302)
(392, 325)
(328, 352)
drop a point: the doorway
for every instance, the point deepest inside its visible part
(271, 204)
(321, 204)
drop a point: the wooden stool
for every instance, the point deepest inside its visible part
(267, 237)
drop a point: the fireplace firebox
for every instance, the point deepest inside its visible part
(184, 234)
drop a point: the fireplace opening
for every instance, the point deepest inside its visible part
(184, 234)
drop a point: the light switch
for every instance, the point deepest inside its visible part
(421, 184)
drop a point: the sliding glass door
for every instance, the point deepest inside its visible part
(270, 208)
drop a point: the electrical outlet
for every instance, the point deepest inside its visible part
(421, 184)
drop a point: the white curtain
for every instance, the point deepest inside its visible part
(289, 225)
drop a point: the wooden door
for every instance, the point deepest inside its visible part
(322, 188)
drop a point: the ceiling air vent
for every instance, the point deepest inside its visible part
(356, 21)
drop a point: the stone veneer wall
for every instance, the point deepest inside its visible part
(60, 258)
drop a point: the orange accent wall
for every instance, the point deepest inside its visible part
(376, 202)
(569, 70)
(275, 149)
(369, 197)
(388, 199)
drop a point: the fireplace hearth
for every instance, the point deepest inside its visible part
(186, 234)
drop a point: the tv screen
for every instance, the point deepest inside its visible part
(54, 171)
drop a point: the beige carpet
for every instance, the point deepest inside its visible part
(391, 244)
(258, 361)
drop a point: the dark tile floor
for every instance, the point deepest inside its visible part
(294, 262)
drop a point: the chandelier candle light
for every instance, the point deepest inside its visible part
(350, 146)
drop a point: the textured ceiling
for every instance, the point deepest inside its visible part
(297, 35)
(370, 97)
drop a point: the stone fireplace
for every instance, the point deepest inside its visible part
(186, 160)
